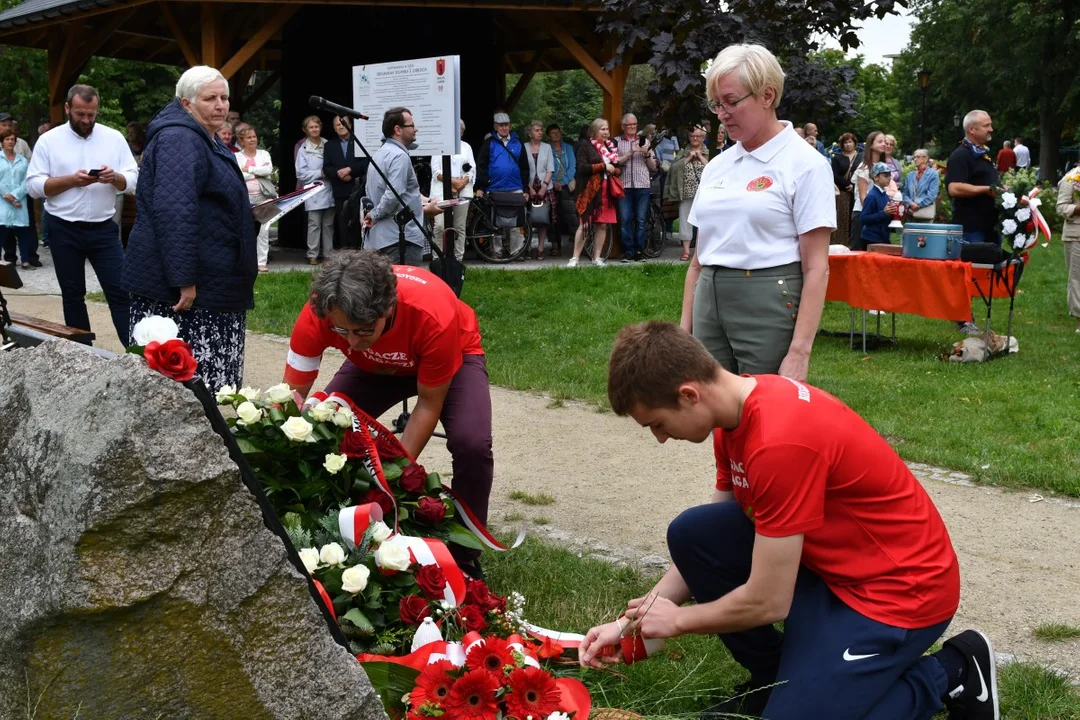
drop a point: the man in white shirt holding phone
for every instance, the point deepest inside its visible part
(78, 168)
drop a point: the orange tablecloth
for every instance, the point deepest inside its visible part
(940, 289)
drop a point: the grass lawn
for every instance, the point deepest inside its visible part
(1012, 422)
(565, 592)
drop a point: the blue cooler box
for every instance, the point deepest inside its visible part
(931, 241)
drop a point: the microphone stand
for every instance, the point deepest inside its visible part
(403, 216)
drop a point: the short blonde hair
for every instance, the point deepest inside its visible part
(309, 118)
(757, 68)
(595, 125)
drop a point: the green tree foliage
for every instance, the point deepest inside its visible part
(1016, 60)
(678, 36)
(570, 99)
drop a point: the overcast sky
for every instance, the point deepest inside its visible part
(881, 37)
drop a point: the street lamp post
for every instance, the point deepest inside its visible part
(924, 83)
(956, 124)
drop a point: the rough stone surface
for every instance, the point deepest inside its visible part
(136, 577)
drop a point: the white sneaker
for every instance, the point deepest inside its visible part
(876, 312)
(572, 262)
(598, 262)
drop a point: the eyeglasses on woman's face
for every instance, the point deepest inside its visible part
(356, 332)
(728, 106)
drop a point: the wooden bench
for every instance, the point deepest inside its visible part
(27, 330)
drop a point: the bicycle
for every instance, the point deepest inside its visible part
(490, 242)
(656, 234)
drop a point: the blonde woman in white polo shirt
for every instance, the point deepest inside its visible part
(764, 212)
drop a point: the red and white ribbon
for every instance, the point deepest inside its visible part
(469, 520)
(354, 521)
(429, 551)
(570, 641)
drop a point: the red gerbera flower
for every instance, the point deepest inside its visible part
(532, 692)
(491, 655)
(433, 685)
(473, 697)
(549, 649)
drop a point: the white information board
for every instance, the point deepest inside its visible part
(429, 88)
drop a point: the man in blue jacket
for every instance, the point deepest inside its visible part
(503, 166)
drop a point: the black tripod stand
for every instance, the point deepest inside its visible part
(402, 218)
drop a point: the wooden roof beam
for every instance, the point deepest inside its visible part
(586, 60)
(186, 48)
(523, 81)
(258, 40)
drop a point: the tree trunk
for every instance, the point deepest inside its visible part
(1051, 124)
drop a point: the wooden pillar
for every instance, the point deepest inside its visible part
(213, 53)
(613, 99)
(523, 82)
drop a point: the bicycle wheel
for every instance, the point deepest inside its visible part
(590, 236)
(655, 231)
(485, 238)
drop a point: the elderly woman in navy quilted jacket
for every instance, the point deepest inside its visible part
(191, 256)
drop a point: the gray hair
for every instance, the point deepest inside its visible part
(921, 151)
(1007, 143)
(536, 124)
(973, 117)
(359, 283)
(757, 68)
(192, 82)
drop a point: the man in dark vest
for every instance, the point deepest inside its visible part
(342, 168)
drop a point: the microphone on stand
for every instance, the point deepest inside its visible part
(323, 104)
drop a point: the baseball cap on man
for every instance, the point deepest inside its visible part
(879, 168)
(501, 117)
(4, 116)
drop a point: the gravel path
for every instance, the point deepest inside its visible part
(616, 489)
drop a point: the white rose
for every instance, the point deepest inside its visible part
(334, 463)
(331, 554)
(323, 412)
(279, 393)
(248, 413)
(392, 556)
(1008, 226)
(1023, 214)
(343, 418)
(354, 579)
(251, 394)
(298, 429)
(155, 329)
(1008, 201)
(224, 395)
(310, 558)
(380, 531)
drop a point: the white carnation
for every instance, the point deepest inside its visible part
(224, 395)
(558, 716)
(155, 329)
(1020, 241)
(355, 579)
(1023, 214)
(332, 554)
(1008, 201)
(279, 393)
(1008, 226)
(310, 558)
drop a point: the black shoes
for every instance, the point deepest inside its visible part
(977, 697)
(748, 700)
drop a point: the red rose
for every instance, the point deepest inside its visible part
(478, 593)
(388, 447)
(413, 609)
(430, 510)
(472, 618)
(382, 500)
(431, 580)
(172, 358)
(413, 478)
(357, 443)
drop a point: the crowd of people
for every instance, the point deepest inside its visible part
(849, 552)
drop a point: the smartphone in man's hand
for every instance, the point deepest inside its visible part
(95, 172)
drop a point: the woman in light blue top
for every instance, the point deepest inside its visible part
(14, 218)
(921, 189)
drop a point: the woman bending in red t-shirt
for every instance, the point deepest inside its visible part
(404, 334)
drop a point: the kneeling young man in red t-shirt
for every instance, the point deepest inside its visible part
(815, 521)
(404, 334)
